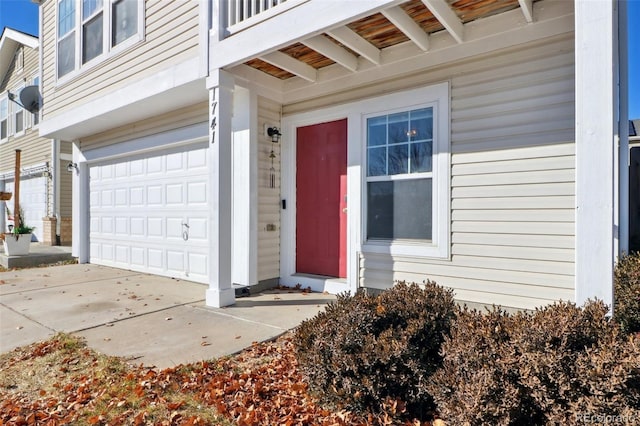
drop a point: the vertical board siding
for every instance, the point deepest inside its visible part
(512, 184)
(171, 36)
(268, 198)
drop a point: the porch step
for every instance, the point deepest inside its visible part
(38, 255)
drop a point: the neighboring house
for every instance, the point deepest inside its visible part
(45, 190)
(634, 185)
(471, 143)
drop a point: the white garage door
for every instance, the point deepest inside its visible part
(150, 213)
(33, 200)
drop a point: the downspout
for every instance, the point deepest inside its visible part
(3, 210)
(623, 122)
(55, 183)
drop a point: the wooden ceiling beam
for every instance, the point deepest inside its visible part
(353, 41)
(527, 9)
(294, 66)
(447, 17)
(408, 26)
(324, 46)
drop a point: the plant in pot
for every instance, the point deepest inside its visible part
(18, 240)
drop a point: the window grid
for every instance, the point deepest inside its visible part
(66, 17)
(400, 130)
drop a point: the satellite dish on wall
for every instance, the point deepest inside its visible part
(31, 99)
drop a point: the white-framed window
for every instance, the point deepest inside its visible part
(4, 118)
(66, 50)
(17, 115)
(406, 197)
(89, 31)
(400, 175)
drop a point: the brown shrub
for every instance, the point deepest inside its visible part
(547, 367)
(364, 351)
(627, 293)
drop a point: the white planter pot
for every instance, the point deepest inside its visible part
(17, 246)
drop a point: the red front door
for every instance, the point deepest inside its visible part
(321, 189)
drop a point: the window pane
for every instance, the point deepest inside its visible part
(125, 20)
(399, 209)
(377, 131)
(398, 127)
(66, 16)
(4, 108)
(89, 7)
(398, 159)
(377, 161)
(421, 124)
(66, 55)
(3, 129)
(92, 39)
(19, 121)
(421, 157)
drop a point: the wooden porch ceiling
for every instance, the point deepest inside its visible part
(366, 37)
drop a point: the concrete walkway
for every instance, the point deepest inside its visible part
(147, 319)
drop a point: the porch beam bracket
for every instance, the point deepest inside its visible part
(527, 9)
(331, 50)
(408, 26)
(353, 41)
(287, 63)
(447, 17)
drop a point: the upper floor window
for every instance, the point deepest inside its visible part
(18, 116)
(66, 36)
(4, 118)
(92, 29)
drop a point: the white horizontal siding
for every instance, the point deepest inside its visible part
(171, 36)
(35, 150)
(182, 117)
(268, 198)
(512, 184)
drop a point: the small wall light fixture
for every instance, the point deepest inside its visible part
(71, 167)
(274, 134)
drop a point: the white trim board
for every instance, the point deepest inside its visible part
(171, 138)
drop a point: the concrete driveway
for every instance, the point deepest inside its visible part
(147, 319)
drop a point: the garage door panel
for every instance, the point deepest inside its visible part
(154, 227)
(122, 254)
(138, 257)
(142, 204)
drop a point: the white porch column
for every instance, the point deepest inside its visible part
(3, 210)
(244, 260)
(80, 207)
(596, 40)
(220, 85)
